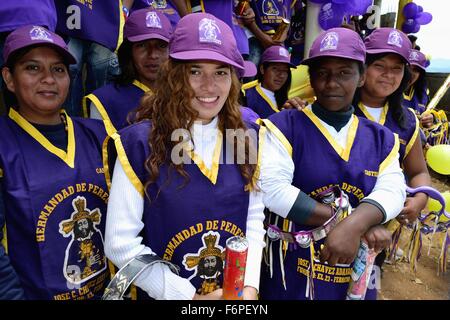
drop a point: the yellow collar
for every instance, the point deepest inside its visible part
(363, 108)
(344, 153)
(68, 157)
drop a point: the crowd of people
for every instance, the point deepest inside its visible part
(116, 144)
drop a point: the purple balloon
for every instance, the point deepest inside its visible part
(340, 1)
(410, 10)
(410, 26)
(424, 18)
(419, 9)
(357, 7)
(320, 1)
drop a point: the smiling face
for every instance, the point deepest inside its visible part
(148, 55)
(384, 76)
(335, 81)
(40, 81)
(275, 75)
(211, 83)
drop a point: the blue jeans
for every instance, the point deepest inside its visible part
(101, 67)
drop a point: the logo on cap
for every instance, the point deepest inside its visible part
(395, 39)
(152, 20)
(209, 31)
(158, 4)
(414, 56)
(39, 33)
(283, 52)
(329, 42)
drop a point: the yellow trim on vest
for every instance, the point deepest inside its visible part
(410, 95)
(141, 86)
(293, 3)
(362, 107)
(266, 98)
(84, 107)
(212, 173)
(1, 173)
(392, 155)
(414, 136)
(110, 129)
(4, 241)
(261, 142)
(105, 162)
(69, 157)
(126, 164)
(344, 153)
(121, 25)
(249, 85)
(273, 128)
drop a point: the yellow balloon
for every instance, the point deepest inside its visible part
(300, 85)
(446, 196)
(434, 205)
(438, 158)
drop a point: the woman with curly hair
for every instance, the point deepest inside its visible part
(181, 187)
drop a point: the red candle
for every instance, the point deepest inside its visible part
(235, 261)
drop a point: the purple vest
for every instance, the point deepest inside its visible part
(418, 105)
(190, 224)
(163, 6)
(117, 102)
(55, 213)
(269, 13)
(14, 14)
(406, 136)
(318, 166)
(259, 102)
(249, 115)
(101, 21)
(223, 9)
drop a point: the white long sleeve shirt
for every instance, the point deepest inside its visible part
(124, 224)
(277, 172)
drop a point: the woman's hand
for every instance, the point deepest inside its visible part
(378, 238)
(341, 244)
(426, 120)
(295, 103)
(412, 209)
(215, 295)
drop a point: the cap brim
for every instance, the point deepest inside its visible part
(205, 55)
(147, 36)
(308, 61)
(68, 57)
(281, 61)
(419, 66)
(375, 51)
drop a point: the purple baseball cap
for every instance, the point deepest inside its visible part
(200, 36)
(147, 24)
(34, 35)
(277, 54)
(388, 40)
(417, 58)
(338, 43)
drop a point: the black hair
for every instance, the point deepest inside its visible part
(281, 95)
(421, 85)
(128, 71)
(395, 100)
